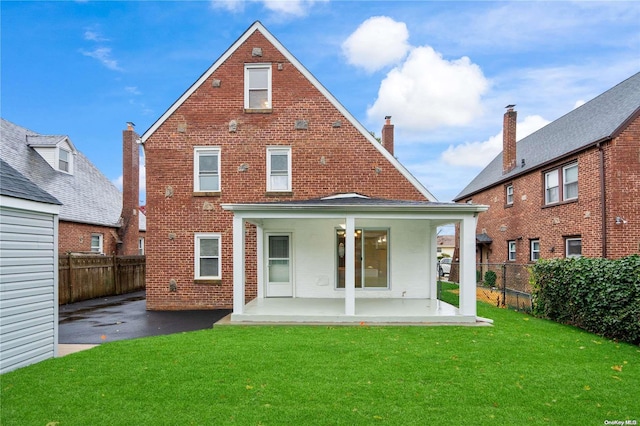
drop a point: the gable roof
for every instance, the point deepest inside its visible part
(15, 185)
(257, 26)
(598, 120)
(87, 196)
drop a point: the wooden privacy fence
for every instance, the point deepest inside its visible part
(83, 277)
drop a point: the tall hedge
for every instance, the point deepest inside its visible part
(599, 295)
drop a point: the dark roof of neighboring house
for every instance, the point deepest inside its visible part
(446, 240)
(87, 196)
(14, 184)
(596, 121)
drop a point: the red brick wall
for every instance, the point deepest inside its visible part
(530, 219)
(325, 160)
(76, 237)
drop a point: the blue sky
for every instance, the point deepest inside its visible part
(443, 70)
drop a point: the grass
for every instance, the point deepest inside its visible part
(522, 370)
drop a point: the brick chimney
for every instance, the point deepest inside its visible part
(509, 140)
(387, 134)
(129, 229)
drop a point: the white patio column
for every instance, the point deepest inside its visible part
(238, 264)
(350, 267)
(433, 262)
(468, 266)
(260, 259)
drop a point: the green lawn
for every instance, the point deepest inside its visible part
(521, 371)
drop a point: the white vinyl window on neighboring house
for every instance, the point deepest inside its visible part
(206, 169)
(535, 250)
(96, 243)
(561, 184)
(509, 194)
(512, 250)
(257, 86)
(64, 160)
(141, 246)
(278, 169)
(207, 256)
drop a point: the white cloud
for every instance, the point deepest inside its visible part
(579, 103)
(92, 35)
(132, 90)
(428, 91)
(378, 42)
(103, 55)
(479, 154)
(281, 7)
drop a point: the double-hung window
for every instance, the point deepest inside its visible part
(512, 250)
(257, 86)
(96, 243)
(64, 160)
(207, 256)
(279, 169)
(573, 247)
(561, 184)
(535, 250)
(206, 173)
(509, 194)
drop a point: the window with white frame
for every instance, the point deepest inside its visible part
(561, 184)
(64, 160)
(509, 194)
(96, 243)
(511, 245)
(279, 169)
(573, 247)
(141, 246)
(207, 256)
(257, 86)
(535, 250)
(206, 169)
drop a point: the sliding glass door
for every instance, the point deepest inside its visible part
(371, 258)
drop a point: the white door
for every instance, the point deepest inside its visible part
(279, 276)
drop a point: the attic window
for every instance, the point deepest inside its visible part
(64, 160)
(257, 86)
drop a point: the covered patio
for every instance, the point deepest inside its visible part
(351, 259)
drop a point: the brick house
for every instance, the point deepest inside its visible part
(266, 195)
(92, 216)
(569, 189)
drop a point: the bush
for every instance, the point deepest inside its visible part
(599, 295)
(490, 278)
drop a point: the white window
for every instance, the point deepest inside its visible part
(551, 187)
(573, 247)
(141, 246)
(279, 169)
(96, 243)
(206, 169)
(535, 250)
(64, 160)
(561, 184)
(570, 182)
(512, 251)
(207, 256)
(509, 193)
(257, 86)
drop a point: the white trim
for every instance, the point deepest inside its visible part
(238, 265)
(271, 150)
(100, 245)
(197, 151)
(22, 204)
(250, 66)
(196, 259)
(566, 247)
(257, 26)
(346, 195)
(511, 243)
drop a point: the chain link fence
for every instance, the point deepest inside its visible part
(502, 284)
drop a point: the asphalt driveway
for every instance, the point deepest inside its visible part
(125, 317)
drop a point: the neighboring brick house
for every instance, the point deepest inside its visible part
(571, 188)
(92, 216)
(264, 192)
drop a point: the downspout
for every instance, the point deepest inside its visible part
(603, 206)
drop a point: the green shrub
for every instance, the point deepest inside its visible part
(490, 278)
(599, 295)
